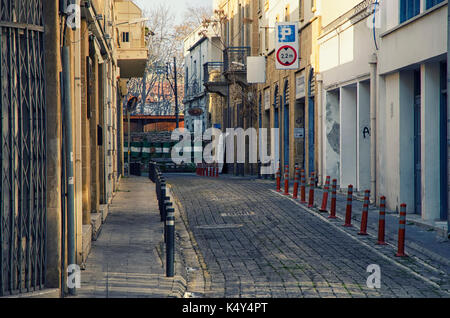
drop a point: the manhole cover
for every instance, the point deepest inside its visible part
(219, 226)
(234, 214)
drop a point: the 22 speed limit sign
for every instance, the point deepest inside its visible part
(286, 45)
(287, 55)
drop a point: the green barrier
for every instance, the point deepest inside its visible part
(158, 150)
(136, 150)
(146, 150)
(166, 150)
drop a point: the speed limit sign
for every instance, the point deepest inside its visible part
(287, 55)
(287, 45)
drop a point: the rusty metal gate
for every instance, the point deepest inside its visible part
(22, 147)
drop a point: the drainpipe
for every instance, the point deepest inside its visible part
(448, 113)
(69, 161)
(322, 173)
(373, 124)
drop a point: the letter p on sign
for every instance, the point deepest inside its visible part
(286, 33)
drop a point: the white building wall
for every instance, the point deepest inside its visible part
(417, 41)
(430, 98)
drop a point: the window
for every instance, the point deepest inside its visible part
(432, 3)
(125, 36)
(409, 9)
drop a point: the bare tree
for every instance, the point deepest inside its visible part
(162, 44)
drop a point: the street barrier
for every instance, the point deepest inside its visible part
(381, 221)
(323, 208)
(302, 187)
(333, 199)
(401, 232)
(365, 213)
(348, 211)
(170, 242)
(167, 214)
(311, 191)
(286, 180)
(296, 177)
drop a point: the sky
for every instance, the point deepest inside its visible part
(178, 6)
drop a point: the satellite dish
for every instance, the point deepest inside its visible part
(132, 103)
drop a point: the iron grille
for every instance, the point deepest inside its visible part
(22, 151)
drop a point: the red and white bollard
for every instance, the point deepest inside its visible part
(365, 213)
(348, 211)
(323, 208)
(302, 187)
(217, 170)
(401, 232)
(382, 221)
(295, 194)
(333, 199)
(286, 180)
(311, 191)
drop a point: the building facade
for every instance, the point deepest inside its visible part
(368, 104)
(68, 164)
(383, 67)
(201, 48)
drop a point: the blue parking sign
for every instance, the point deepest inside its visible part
(286, 33)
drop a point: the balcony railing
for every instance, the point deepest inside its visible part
(213, 72)
(235, 58)
(192, 88)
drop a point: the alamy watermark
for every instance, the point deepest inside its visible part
(73, 276)
(73, 13)
(374, 279)
(227, 147)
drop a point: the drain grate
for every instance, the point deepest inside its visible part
(237, 214)
(219, 226)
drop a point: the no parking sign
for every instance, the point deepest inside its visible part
(286, 49)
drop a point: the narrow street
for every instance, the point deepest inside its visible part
(254, 242)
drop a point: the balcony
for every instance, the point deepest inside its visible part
(192, 89)
(235, 64)
(132, 52)
(214, 79)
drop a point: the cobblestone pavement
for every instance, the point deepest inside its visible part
(254, 242)
(127, 260)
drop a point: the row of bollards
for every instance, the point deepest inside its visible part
(348, 211)
(167, 214)
(207, 170)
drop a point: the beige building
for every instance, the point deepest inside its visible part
(71, 134)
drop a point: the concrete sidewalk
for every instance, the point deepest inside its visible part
(127, 260)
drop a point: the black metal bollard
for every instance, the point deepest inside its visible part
(259, 169)
(166, 203)
(170, 242)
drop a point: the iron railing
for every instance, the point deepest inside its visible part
(23, 218)
(235, 58)
(211, 67)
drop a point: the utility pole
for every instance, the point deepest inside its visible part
(176, 93)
